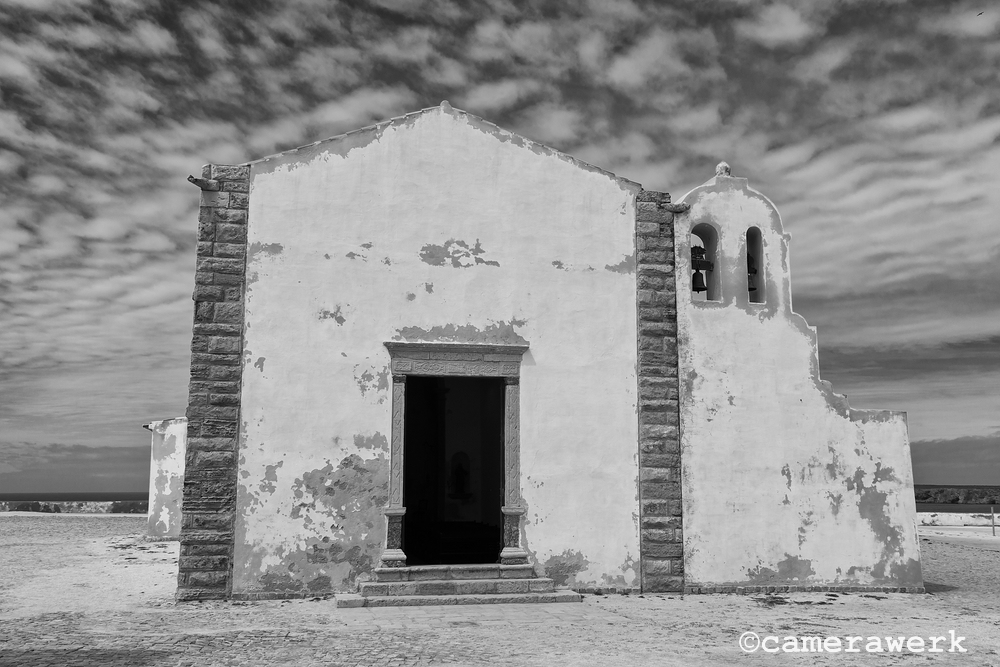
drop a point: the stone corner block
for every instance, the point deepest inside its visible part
(230, 172)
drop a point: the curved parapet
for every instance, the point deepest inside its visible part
(731, 207)
(810, 491)
(729, 204)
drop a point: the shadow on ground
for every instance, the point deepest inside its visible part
(84, 657)
(938, 588)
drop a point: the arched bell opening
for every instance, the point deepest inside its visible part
(704, 263)
(755, 266)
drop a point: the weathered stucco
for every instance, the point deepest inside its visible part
(166, 476)
(438, 227)
(783, 483)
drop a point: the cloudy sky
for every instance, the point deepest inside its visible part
(873, 125)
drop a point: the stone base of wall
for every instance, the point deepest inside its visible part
(748, 590)
(280, 595)
(606, 590)
(635, 590)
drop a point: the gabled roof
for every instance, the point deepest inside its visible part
(365, 135)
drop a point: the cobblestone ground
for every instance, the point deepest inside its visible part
(78, 591)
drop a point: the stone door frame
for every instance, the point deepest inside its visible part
(460, 360)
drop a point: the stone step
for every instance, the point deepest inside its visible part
(443, 572)
(456, 587)
(345, 601)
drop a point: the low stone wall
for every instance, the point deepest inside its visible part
(954, 519)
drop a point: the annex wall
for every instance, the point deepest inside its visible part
(434, 227)
(166, 475)
(783, 483)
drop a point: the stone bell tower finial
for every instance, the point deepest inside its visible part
(722, 169)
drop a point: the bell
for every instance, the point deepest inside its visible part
(698, 261)
(698, 282)
(751, 272)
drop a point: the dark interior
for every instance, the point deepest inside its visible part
(453, 470)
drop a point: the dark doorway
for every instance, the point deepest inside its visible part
(453, 470)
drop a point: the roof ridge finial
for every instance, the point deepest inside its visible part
(722, 169)
(446, 106)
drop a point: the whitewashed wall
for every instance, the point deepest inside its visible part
(783, 482)
(438, 227)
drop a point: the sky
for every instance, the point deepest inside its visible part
(873, 125)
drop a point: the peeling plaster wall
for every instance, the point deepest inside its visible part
(166, 476)
(434, 227)
(783, 483)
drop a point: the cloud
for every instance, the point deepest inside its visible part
(45, 5)
(203, 29)
(499, 95)
(447, 72)
(651, 60)
(12, 130)
(551, 124)
(696, 121)
(411, 46)
(618, 151)
(152, 39)
(78, 36)
(776, 25)
(592, 50)
(910, 119)
(489, 42)
(362, 107)
(823, 63)
(617, 10)
(789, 157)
(967, 20)
(969, 138)
(13, 69)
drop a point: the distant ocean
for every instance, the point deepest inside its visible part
(75, 497)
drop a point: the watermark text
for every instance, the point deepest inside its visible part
(751, 642)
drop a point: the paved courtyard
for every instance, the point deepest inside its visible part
(78, 591)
